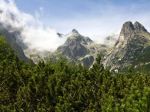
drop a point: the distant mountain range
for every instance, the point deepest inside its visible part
(132, 48)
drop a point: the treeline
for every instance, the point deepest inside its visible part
(64, 87)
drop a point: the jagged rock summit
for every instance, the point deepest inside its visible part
(74, 37)
(129, 29)
(80, 48)
(131, 49)
(75, 31)
(139, 27)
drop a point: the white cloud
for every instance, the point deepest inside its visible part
(33, 32)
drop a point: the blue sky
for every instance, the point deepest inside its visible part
(91, 17)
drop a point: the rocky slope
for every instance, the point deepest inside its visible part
(80, 49)
(131, 49)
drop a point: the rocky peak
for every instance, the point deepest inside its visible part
(74, 31)
(127, 28)
(59, 34)
(74, 46)
(80, 48)
(133, 44)
(75, 37)
(139, 27)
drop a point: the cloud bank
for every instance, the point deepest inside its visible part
(33, 32)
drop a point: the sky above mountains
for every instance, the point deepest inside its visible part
(93, 18)
(90, 17)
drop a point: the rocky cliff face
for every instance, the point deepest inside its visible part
(80, 48)
(75, 46)
(133, 42)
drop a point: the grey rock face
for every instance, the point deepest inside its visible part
(139, 27)
(88, 61)
(80, 48)
(132, 41)
(127, 29)
(74, 46)
(73, 50)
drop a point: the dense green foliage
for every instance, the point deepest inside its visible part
(64, 87)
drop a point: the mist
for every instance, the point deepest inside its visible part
(33, 32)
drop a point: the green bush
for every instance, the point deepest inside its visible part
(63, 87)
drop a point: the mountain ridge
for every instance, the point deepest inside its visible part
(79, 48)
(129, 47)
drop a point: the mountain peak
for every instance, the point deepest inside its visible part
(127, 28)
(139, 27)
(128, 24)
(126, 31)
(74, 34)
(74, 31)
(129, 49)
